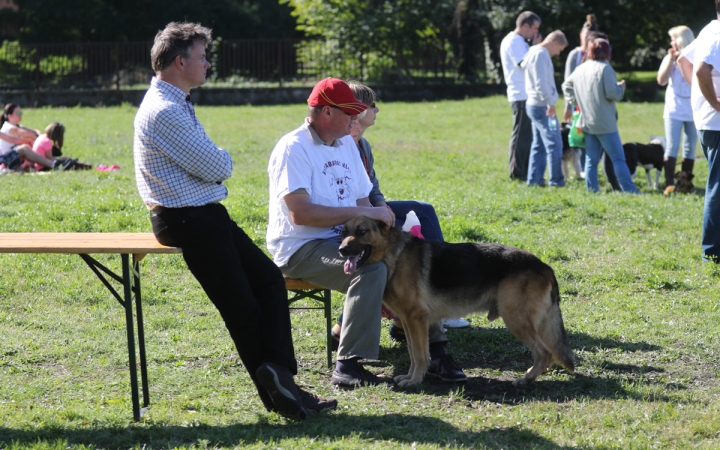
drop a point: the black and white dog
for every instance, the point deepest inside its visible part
(649, 156)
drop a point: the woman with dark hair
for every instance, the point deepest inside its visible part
(595, 89)
(12, 155)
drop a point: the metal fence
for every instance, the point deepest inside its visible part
(249, 63)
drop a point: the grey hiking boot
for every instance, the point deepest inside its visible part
(278, 381)
(357, 377)
(316, 404)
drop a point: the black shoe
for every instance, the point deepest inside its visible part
(357, 377)
(446, 369)
(280, 385)
(316, 404)
(397, 333)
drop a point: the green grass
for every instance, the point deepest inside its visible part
(640, 307)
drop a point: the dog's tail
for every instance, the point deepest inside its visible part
(553, 330)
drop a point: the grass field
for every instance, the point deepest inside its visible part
(639, 305)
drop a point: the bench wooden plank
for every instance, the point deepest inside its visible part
(298, 284)
(83, 243)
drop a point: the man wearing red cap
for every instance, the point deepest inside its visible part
(317, 183)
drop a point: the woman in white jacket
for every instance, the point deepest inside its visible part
(678, 111)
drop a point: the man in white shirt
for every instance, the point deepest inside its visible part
(180, 174)
(512, 51)
(317, 183)
(704, 58)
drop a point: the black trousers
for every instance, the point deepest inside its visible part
(520, 142)
(245, 285)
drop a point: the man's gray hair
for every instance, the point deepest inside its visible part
(527, 17)
(176, 39)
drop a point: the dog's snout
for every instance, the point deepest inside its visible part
(344, 248)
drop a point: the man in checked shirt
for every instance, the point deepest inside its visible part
(180, 174)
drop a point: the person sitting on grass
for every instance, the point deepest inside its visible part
(49, 145)
(16, 141)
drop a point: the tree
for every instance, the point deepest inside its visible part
(139, 20)
(379, 33)
(472, 29)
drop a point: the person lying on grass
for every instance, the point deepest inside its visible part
(49, 145)
(16, 141)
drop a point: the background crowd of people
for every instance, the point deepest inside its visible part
(591, 88)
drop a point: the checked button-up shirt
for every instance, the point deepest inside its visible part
(176, 163)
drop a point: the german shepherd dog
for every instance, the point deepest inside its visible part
(430, 280)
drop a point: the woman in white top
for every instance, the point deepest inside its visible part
(678, 111)
(13, 155)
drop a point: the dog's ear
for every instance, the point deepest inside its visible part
(690, 176)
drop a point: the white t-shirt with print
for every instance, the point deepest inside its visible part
(512, 51)
(332, 176)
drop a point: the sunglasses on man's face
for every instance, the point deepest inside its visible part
(337, 107)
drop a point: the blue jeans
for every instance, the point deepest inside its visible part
(546, 149)
(594, 145)
(429, 224)
(673, 129)
(710, 144)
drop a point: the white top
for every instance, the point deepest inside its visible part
(6, 146)
(539, 77)
(705, 48)
(512, 51)
(333, 175)
(677, 96)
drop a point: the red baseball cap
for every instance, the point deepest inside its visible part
(336, 92)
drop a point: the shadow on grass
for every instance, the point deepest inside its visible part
(316, 432)
(497, 350)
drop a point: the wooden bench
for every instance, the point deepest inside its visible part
(132, 248)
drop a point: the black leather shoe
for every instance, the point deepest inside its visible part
(397, 333)
(357, 377)
(446, 369)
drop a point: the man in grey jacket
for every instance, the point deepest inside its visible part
(542, 95)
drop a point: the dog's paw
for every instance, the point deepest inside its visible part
(400, 378)
(408, 382)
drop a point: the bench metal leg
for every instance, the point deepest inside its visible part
(131, 284)
(141, 337)
(323, 296)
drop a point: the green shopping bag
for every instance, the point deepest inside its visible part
(576, 137)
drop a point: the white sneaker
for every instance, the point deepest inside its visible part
(456, 323)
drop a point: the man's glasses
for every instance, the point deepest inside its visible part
(19, 113)
(337, 107)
